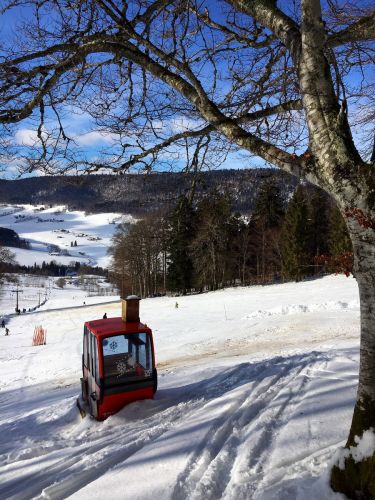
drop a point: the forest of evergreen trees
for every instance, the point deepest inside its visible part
(10, 238)
(206, 246)
(141, 194)
(51, 269)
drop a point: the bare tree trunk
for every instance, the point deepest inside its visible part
(263, 255)
(357, 479)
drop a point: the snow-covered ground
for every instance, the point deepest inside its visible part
(43, 293)
(43, 226)
(256, 391)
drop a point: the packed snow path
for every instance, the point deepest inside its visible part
(236, 419)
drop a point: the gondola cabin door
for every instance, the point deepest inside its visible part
(91, 385)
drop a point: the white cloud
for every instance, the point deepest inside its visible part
(26, 137)
(29, 137)
(11, 166)
(76, 119)
(95, 137)
(182, 124)
(158, 125)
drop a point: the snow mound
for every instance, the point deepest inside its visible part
(365, 448)
(304, 308)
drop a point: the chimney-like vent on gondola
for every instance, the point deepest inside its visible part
(130, 309)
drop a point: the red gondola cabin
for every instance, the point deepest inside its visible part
(118, 362)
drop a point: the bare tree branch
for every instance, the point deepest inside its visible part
(281, 25)
(202, 132)
(362, 30)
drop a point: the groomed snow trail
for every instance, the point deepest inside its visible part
(217, 437)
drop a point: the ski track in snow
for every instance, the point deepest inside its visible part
(209, 471)
(80, 452)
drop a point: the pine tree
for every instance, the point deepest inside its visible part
(210, 248)
(320, 209)
(269, 207)
(180, 233)
(266, 222)
(339, 241)
(243, 250)
(296, 238)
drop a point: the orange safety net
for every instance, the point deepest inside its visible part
(40, 336)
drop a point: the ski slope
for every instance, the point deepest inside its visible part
(43, 226)
(256, 391)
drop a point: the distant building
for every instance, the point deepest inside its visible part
(71, 273)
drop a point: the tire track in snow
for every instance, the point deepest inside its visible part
(272, 421)
(150, 430)
(72, 471)
(269, 427)
(79, 459)
(203, 457)
(209, 469)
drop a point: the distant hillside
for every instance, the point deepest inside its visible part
(137, 194)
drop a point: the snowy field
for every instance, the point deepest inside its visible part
(43, 226)
(43, 293)
(256, 391)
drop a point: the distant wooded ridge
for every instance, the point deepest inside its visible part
(139, 194)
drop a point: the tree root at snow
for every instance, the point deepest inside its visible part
(354, 475)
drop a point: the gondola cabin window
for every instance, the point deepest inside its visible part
(126, 358)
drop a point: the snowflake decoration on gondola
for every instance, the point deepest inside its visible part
(121, 368)
(113, 345)
(125, 365)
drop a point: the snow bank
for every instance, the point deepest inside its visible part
(305, 308)
(365, 448)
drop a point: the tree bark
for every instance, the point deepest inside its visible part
(357, 479)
